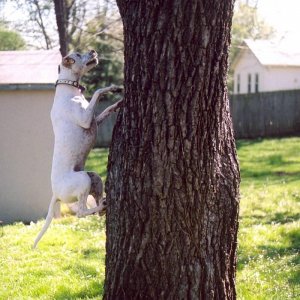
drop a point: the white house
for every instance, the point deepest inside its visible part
(26, 139)
(263, 66)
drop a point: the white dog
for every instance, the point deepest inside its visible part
(75, 129)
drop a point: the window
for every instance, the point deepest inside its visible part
(238, 84)
(256, 83)
(249, 83)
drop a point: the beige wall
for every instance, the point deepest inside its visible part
(26, 146)
(248, 64)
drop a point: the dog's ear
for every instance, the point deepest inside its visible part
(68, 62)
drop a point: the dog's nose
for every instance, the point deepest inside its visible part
(93, 52)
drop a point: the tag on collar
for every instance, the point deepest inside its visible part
(72, 83)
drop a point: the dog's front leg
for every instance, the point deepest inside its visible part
(109, 110)
(86, 115)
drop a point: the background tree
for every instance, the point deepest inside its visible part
(106, 37)
(246, 24)
(36, 26)
(40, 18)
(38, 10)
(10, 40)
(70, 20)
(102, 32)
(61, 14)
(80, 25)
(173, 179)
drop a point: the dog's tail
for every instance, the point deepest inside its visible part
(49, 218)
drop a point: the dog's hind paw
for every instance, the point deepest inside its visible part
(103, 206)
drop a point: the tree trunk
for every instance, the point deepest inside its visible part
(61, 21)
(173, 178)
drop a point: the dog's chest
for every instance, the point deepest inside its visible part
(81, 101)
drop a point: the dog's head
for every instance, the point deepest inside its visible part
(78, 63)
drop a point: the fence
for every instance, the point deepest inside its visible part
(269, 114)
(105, 130)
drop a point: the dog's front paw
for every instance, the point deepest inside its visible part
(115, 107)
(116, 89)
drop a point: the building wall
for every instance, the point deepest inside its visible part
(269, 78)
(282, 78)
(248, 64)
(26, 146)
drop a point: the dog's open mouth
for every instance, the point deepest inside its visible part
(93, 61)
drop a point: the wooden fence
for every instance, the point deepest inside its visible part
(105, 129)
(271, 114)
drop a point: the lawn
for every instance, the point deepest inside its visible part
(269, 235)
(69, 263)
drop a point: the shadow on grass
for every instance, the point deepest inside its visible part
(245, 143)
(90, 253)
(271, 251)
(268, 165)
(94, 253)
(283, 218)
(94, 289)
(293, 238)
(277, 218)
(293, 248)
(260, 178)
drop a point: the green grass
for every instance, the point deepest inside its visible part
(69, 263)
(269, 235)
(97, 162)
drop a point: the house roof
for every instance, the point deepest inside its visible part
(270, 53)
(29, 67)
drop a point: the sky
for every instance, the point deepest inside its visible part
(283, 15)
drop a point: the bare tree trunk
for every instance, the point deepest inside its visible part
(61, 21)
(173, 178)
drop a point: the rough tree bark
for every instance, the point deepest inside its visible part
(173, 177)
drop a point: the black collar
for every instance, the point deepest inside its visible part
(72, 83)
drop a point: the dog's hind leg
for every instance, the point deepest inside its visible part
(96, 187)
(49, 218)
(83, 211)
(96, 190)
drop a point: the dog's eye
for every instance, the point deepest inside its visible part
(78, 55)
